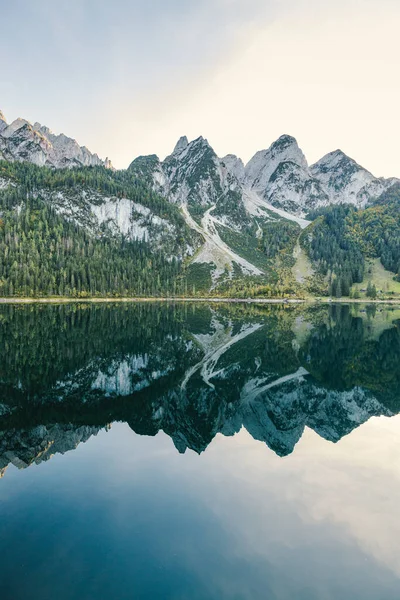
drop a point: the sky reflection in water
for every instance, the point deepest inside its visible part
(126, 516)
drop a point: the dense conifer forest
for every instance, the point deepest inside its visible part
(341, 238)
(45, 253)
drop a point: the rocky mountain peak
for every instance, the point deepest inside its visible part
(183, 147)
(3, 122)
(336, 160)
(197, 154)
(263, 164)
(21, 141)
(15, 126)
(197, 147)
(235, 166)
(286, 148)
(181, 144)
(42, 128)
(199, 142)
(192, 162)
(345, 181)
(283, 142)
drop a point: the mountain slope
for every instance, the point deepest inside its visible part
(191, 223)
(88, 231)
(222, 198)
(342, 241)
(195, 177)
(209, 196)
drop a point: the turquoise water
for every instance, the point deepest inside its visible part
(199, 452)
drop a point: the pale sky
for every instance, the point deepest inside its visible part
(129, 77)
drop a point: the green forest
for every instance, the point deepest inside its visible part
(341, 239)
(43, 253)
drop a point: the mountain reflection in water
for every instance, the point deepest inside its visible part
(192, 371)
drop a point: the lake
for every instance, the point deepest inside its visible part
(195, 451)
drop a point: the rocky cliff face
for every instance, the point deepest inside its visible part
(277, 178)
(281, 176)
(345, 181)
(22, 141)
(102, 214)
(195, 177)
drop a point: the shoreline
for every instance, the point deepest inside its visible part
(110, 300)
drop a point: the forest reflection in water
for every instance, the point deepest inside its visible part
(192, 371)
(185, 451)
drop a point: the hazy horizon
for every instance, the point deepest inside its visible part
(130, 79)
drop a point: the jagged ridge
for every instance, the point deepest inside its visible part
(22, 141)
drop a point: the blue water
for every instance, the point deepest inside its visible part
(124, 515)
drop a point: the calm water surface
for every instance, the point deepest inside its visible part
(199, 452)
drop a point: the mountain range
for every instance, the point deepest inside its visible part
(20, 140)
(193, 173)
(219, 220)
(278, 177)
